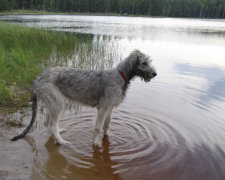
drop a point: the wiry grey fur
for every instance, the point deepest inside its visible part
(101, 89)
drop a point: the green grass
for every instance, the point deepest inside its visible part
(24, 53)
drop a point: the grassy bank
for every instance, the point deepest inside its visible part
(24, 52)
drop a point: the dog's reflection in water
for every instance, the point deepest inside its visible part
(59, 167)
(103, 163)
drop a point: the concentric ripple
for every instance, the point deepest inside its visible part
(139, 141)
(136, 143)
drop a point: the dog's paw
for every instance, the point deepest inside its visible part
(106, 133)
(64, 142)
(95, 144)
(62, 130)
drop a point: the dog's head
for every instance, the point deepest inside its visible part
(142, 66)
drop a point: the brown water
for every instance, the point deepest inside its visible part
(170, 128)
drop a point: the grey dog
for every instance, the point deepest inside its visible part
(101, 89)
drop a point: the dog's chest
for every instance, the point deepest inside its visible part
(120, 94)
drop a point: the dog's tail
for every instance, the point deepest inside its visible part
(34, 112)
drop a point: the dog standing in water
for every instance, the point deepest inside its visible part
(101, 89)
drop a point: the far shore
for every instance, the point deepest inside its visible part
(35, 12)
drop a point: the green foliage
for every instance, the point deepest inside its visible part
(24, 51)
(173, 8)
(5, 93)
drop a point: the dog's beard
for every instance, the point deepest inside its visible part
(147, 79)
(144, 76)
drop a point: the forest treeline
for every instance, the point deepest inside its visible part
(171, 8)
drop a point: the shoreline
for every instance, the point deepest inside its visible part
(34, 12)
(29, 12)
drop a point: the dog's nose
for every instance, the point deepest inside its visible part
(154, 74)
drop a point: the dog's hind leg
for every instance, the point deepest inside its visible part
(54, 103)
(54, 129)
(47, 124)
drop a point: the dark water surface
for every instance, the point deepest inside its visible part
(170, 128)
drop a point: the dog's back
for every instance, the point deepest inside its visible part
(83, 86)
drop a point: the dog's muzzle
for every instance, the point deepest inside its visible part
(148, 79)
(154, 74)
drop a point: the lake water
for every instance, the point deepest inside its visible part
(170, 128)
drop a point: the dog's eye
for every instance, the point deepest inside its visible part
(144, 63)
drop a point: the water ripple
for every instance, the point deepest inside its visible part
(135, 140)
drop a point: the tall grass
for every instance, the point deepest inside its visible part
(23, 51)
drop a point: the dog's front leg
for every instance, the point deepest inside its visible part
(107, 122)
(99, 124)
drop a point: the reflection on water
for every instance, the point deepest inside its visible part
(61, 165)
(215, 77)
(171, 128)
(154, 29)
(95, 53)
(103, 165)
(138, 147)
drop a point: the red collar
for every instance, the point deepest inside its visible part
(125, 79)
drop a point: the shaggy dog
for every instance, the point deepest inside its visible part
(104, 90)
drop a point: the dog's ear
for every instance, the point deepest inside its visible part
(135, 58)
(138, 59)
(137, 62)
(138, 55)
